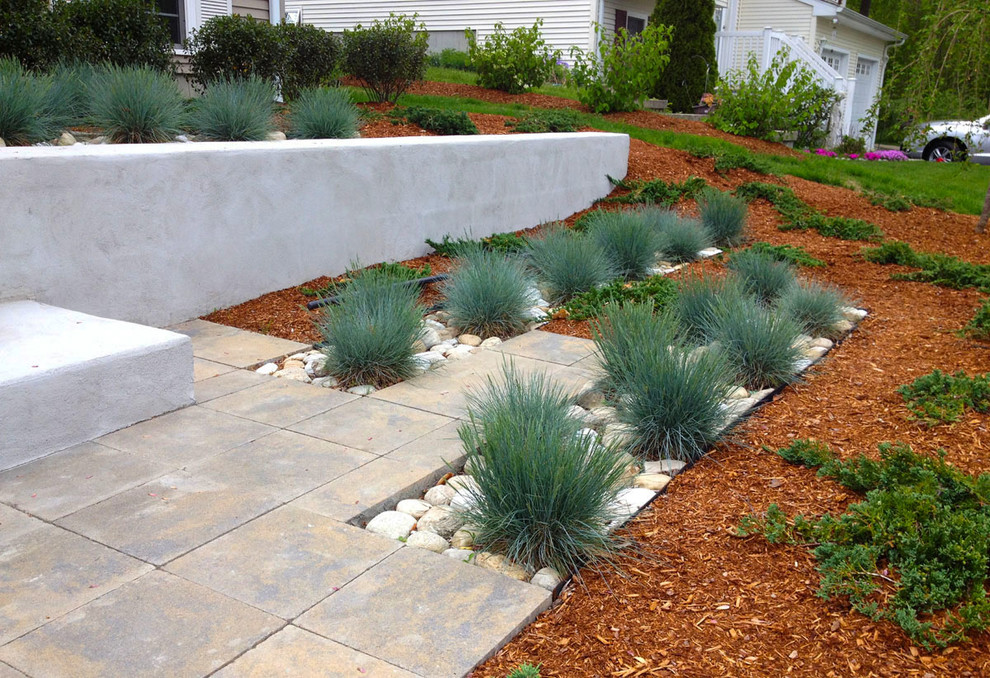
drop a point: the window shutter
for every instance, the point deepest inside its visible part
(211, 8)
(620, 19)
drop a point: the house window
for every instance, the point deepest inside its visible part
(171, 11)
(864, 68)
(837, 60)
(634, 25)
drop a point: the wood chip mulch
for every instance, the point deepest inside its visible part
(692, 600)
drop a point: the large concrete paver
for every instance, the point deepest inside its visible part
(207, 369)
(285, 561)
(185, 436)
(169, 516)
(62, 483)
(225, 384)
(439, 449)
(14, 523)
(280, 402)
(554, 348)
(371, 425)
(295, 653)
(283, 465)
(158, 625)
(234, 347)
(7, 671)
(48, 571)
(427, 613)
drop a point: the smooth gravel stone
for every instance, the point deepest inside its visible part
(842, 327)
(362, 390)
(823, 342)
(591, 397)
(441, 520)
(854, 314)
(430, 336)
(603, 416)
(463, 501)
(547, 578)
(267, 368)
(439, 495)
(738, 393)
(490, 342)
(652, 481)
(414, 507)
(670, 467)
(463, 555)
(462, 539)
(428, 541)
(277, 135)
(294, 374)
(469, 339)
(815, 352)
(392, 524)
(463, 482)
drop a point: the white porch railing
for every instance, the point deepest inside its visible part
(734, 48)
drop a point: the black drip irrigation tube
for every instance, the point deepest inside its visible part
(334, 300)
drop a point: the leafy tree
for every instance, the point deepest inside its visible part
(692, 64)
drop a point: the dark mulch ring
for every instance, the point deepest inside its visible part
(696, 601)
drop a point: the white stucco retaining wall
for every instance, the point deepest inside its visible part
(159, 234)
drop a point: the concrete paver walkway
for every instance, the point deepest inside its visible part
(223, 539)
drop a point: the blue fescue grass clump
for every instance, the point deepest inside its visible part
(762, 275)
(370, 333)
(33, 107)
(670, 396)
(545, 492)
(629, 238)
(758, 343)
(488, 294)
(235, 110)
(816, 307)
(695, 307)
(568, 263)
(724, 216)
(682, 239)
(136, 104)
(324, 113)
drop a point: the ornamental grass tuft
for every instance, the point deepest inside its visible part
(568, 263)
(370, 333)
(697, 301)
(324, 113)
(724, 216)
(488, 294)
(762, 275)
(545, 492)
(136, 104)
(682, 239)
(758, 343)
(814, 306)
(31, 108)
(670, 396)
(235, 110)
(629, 239)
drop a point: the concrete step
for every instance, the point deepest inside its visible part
(68, 377)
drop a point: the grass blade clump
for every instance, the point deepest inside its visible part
(488, 294)
(762, 275)
(235, 110)
(544, 492)
(628, 238)
(758, 343)
(68, 96)
(683, 239)
(724, 216)
(136, 104)
(30, 108)
(814, 306)
(697, 302)
(568, 263)
(671, 397)
(370, 332)
(324, 113)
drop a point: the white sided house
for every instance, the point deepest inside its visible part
(846, 50)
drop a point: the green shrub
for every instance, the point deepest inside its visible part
(394, 270)
(233, 47)
(734, 159)
(451, 58)
(30, 110)
(386, 57)
(781, 197)
(544, 493)
(890, 202)
(758, 343)
(628, 239)
(568, 263)
(488, 294)
(369, 334)
(441, 121)
(936, 268)
(119, 32)
(697, 302)
(924, 524)
(512, 62)
(682, 239)
(236, 110)
(525, 671)
(136, 104)
(546, 120)
(656, 191)
(786, 97)
(792, 254)
(893, 252)
(979, 325)
(672, 398)
(724, 216)
(938, 398)
(842, 228)
(814, 306)
(624, 71)
(32, 33)
(506, 243)
(851, 145)
(310, 58)
(657, 291)
(693, 67)
(762, 275)
(324, 113)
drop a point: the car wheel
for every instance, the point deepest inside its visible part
(944, 150)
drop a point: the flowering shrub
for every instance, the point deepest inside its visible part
(825, 152)
(885, 155)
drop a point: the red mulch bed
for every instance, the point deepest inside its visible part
(696, 601)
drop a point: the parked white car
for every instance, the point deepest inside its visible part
(947, 140)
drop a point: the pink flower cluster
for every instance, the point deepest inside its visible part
(885, 155)
(824, 151)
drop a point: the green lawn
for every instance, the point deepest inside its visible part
(961, 185)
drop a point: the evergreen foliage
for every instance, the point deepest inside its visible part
(692, 52)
